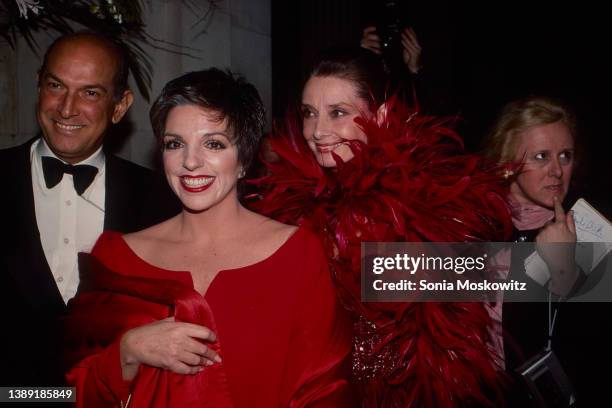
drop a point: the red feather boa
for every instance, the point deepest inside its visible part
(411, 182)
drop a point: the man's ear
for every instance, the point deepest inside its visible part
(122, 106)
(381, 114)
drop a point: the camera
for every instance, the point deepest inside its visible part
(391, 21)
(548, 383)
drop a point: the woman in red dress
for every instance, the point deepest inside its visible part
(218, 306)
(360, 167)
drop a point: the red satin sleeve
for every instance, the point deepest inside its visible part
(99, 380)
(98, 377)
(109, 249)
(319, 363)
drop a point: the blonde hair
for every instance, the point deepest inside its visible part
(520, 115)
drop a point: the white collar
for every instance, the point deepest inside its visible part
(40, 149)
(96, 159)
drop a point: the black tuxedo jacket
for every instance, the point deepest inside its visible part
(135, 198)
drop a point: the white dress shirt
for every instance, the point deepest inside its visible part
(68, 223)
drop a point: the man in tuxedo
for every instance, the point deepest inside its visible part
(60, 192)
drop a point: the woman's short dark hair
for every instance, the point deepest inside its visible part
(360, 66)
(222, 92)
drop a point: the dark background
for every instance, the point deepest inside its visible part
(480, 55)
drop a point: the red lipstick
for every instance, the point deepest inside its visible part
(196, 184)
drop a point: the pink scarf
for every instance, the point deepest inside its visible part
(529, 216)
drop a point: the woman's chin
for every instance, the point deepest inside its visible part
(327, 159)
(541, 198)
(327, 163)
(194, 207)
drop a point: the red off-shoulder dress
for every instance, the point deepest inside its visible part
(283, 338)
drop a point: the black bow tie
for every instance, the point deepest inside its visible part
(54, 169)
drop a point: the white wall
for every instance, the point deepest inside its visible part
(237, 37)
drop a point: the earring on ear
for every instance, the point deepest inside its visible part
(241, 174)
(508, 173)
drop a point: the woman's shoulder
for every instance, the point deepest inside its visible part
(276, 237)
(266, 228)
(303, 244)
(108, 242)
(111, 249)
(113, 245)
(151, 235)
(276, 228)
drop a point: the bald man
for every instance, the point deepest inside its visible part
(60, 192)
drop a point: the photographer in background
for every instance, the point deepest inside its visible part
(411, 48)
(420, 64)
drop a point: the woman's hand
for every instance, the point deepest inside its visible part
(167, 344)
(559, 257)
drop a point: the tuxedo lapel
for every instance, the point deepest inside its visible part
(136, 197)
(119, 198)
(26, 258)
